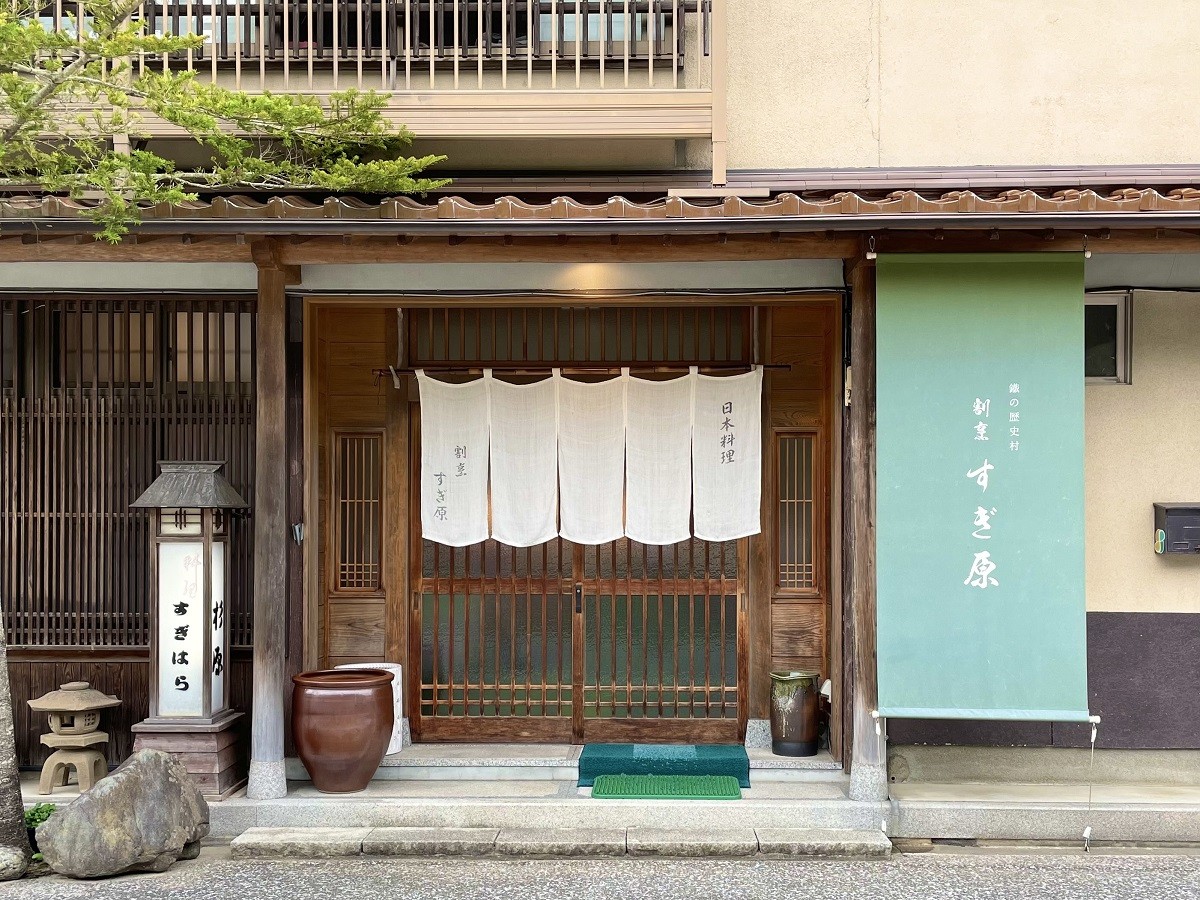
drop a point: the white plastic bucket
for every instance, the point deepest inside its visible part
(396, 744)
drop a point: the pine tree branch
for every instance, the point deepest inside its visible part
(55, 80)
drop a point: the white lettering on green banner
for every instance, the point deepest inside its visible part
(980, 486)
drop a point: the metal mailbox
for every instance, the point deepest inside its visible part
(1176, 528)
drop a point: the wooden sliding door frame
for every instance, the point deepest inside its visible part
(403, 636)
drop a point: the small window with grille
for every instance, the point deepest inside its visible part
(358, 511)
(798, 515)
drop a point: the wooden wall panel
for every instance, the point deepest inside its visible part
(350, 343)
(355, 629)
(798, 630)
(803, 398)
(34, 673)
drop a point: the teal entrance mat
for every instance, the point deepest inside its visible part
(666, 787)
(663, 759)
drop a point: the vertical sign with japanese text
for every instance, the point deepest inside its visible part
(181, 636)
(217, 658)
(979, 532)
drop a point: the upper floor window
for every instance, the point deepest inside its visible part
(1108, 338)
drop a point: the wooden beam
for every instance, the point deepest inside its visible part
(289, 251)
(267, 779)
(216, 249)
(868, 764)
(683, 248)
(436, 301)
(266, 255)
(948, 241)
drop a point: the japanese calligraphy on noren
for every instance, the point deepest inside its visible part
(441, 491)
(728, 434)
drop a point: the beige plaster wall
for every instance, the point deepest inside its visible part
(1143, 445)
(802, 83)
(841, 83)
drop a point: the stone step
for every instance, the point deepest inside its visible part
(817, 809)
(319, 843)
(553, 762)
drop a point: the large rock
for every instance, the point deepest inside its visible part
(141, 818)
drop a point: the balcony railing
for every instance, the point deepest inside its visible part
(436, 44)
(466, 68)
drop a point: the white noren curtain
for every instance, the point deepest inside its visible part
(658, 460)
(524, 462)
(454, 461)
(727, 456)
(591, 459)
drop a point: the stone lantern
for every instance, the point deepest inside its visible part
(75, 735)
(190, 505)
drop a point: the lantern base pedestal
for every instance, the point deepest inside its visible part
(210, 750)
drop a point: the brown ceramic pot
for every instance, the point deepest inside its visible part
(342, 722)
(794, 706)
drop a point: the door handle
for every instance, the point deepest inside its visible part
(579, 599)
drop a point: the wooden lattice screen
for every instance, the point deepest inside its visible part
(564, 335)
(358, 505)
(796, 557)
(95, 391)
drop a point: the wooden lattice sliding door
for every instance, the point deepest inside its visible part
(621, 641)
(661, 632)
(563, 642)
(496, 642)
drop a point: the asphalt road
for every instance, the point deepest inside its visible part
(931, 876)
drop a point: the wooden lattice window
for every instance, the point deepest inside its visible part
(556, 335)
(798, 513)
(358, 511)
(87, 409)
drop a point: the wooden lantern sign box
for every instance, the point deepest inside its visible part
(190, 505)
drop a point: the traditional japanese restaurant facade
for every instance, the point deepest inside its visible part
(924, 479)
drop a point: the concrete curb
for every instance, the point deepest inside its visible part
(233, 817)
(326, 843)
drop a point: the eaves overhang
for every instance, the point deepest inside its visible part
(581, 227)
(908, 210)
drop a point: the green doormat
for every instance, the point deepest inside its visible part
(663, 759)
(671, 787)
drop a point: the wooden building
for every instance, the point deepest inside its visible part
(278, 334)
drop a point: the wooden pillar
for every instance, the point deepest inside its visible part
(296, 465)
(868, 763)
(760, 575)
(396, 527)
(267, 779)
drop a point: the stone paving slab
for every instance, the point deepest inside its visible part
(823, 843)
(329, 843)
(430, 841)
(561, 842)
(691, 842)
(305, 843)
(553, 812)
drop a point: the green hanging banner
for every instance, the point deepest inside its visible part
(979, 526)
